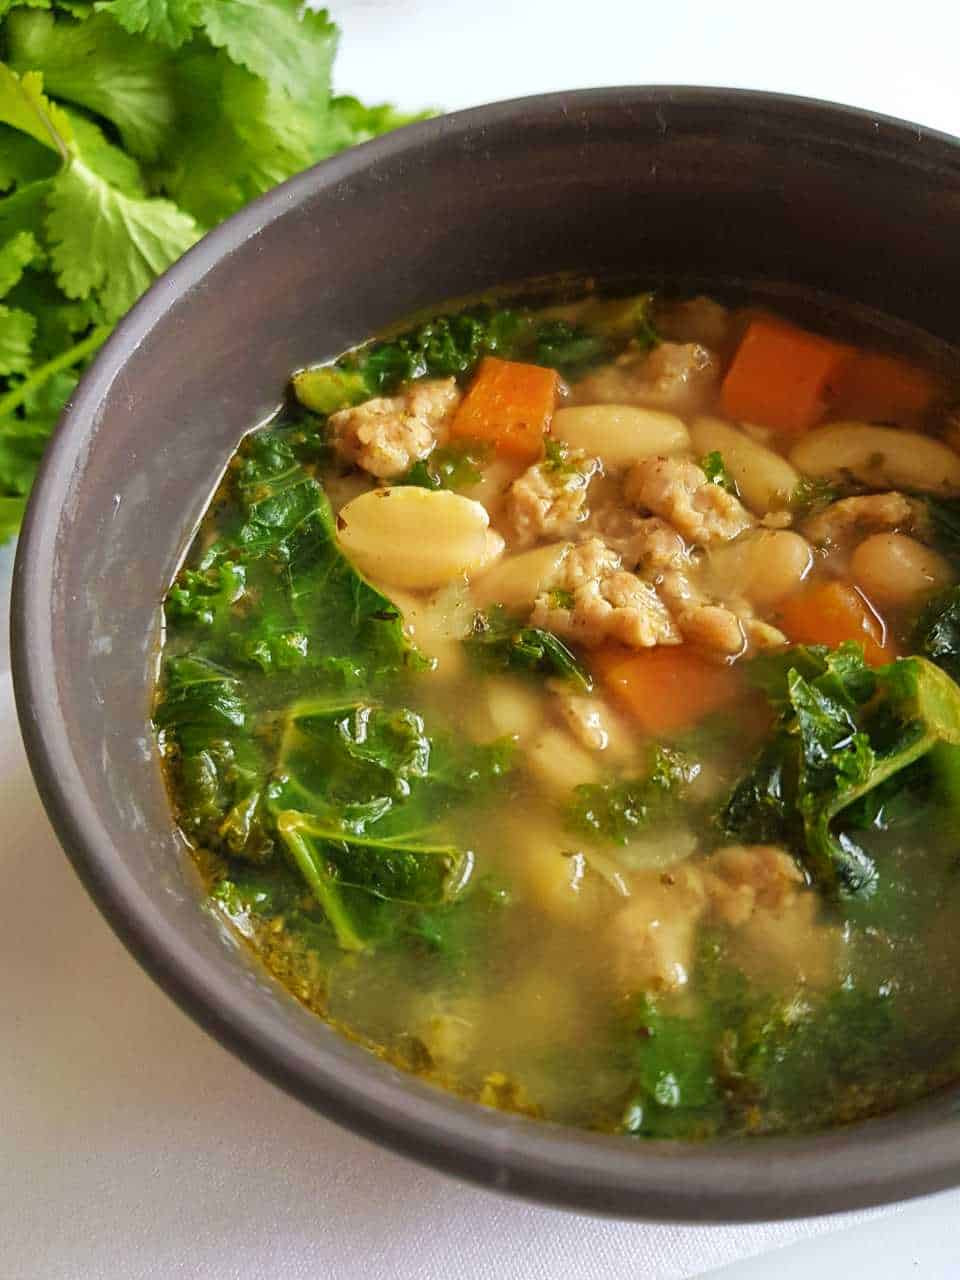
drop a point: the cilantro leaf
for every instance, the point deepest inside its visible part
(59, 321)
(351, 121)
(7, 5)
(110, 242)
(23, 210)
(15, 256)
(101, 67)
(127, 127)
(16, 336)
(281, 41)
(237, 137)
(22, 159)
(169, 22)
(24, 106)
(714, 468)
(109, 162)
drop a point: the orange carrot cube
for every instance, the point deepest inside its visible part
(510, 406)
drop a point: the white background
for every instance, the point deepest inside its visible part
(131, 1146)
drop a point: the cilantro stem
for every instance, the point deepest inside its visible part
(73, 355)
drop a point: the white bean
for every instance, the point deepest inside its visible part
(765, 565)
(620, 435)
(415, 538)
(437, 624)
(764, 478)
(517, 581)
(553, 878)
(514, 709)
(883, 457)
(559, 763)
(896, 570)
(495, 480)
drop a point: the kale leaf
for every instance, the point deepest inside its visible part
(218, 764)
(675, 1090)
(937, 632)
(452, 466)
(499, 642)
(795, 1058)
(452, 345)
(445, 346)
(844, 731)
(398, 869)
(571, 349)
(281, 552)
(616, 811)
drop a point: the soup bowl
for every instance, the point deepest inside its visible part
(695, 186)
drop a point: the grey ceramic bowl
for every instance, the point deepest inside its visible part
(670, 182)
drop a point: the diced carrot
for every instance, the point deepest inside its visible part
(782, 376)
(883, 388)
(831, 613)
(509, 405)
(666, 689)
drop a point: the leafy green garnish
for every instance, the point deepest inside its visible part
(218, 764)
(712, 465)
(448, 345)
(813, 494)
(499, 642)
(127, 129)
(560, 459)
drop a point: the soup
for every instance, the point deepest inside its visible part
(559, 700)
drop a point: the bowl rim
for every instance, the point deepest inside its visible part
(907, 1153)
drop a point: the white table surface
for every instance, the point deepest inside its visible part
(132, 1146)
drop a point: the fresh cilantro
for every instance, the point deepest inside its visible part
(168, 22)
(110, 244)
(712, 465)
(128, 128)
(97, 65)
(559, 459)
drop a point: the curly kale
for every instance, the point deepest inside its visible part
(844, 731)
(500, 642)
